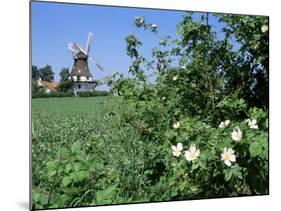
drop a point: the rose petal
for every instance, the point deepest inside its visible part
(227, 162)
(232, 158)
(179, 146)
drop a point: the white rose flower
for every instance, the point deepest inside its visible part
(176, 150)
(176, 125)
(153, 27)
(228, 156)
(192, 153)
(175, 77)
(140, 19)
(227, 122)
(221, 125)
(236, 134)
(252, 123)
(264, 28)
(224, 124)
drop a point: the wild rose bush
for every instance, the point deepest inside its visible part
(204, 129)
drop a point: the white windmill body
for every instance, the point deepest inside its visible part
(80, 73)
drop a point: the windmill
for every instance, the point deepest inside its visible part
(80, 73)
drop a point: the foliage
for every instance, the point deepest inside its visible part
(187, 104)
(251, 32)
(65, 86)
(42, 94)
(65, 166)
(46, 73)
(94, 93)
(35, 73)
(69, 93)
(34, 87)
(64, 74)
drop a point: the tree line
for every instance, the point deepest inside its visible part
(47, 74)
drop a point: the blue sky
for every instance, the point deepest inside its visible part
(54, 25)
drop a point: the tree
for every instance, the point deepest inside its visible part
(252, 34)
(35, 72)
(215, 76)
(46, 73)
(64, 74)
(65, 86)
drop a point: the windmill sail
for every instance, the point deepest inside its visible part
(89, 42)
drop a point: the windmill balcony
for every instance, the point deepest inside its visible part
(82, 79)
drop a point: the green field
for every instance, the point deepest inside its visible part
(62, 130)
(72, 105)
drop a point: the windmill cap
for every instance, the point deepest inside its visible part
(81, 55)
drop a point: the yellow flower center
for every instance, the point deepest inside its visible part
(227, 156)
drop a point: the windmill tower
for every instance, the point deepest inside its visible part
(80, 73)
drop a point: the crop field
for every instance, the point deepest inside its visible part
(61, 127)
(70, 106)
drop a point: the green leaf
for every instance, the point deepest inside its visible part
(255, 149)
(39, 197)
(81, 175)
(236, 171)
(52, 165)
(96, 166)
(68, 168)
(105, 196)
(52, 173)
(66, 181)
(227, 175)
(195, 165)
(77, 166)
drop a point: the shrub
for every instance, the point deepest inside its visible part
(198, 104)
(43, 94)
(95, 93)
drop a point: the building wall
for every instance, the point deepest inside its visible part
(83, 87)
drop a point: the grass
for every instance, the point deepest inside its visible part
(73, 105)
